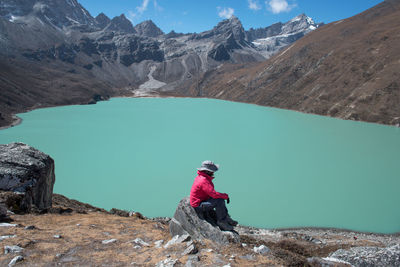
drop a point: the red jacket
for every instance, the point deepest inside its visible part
(203, 189)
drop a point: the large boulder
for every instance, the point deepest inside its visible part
(186, 221)
(28, 171)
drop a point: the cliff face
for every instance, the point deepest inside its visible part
(347, 69)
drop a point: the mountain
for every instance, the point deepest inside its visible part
(271, 39)
(148, 28)
(120, 24)
(347, 69)
(102, 20)
(54, 52)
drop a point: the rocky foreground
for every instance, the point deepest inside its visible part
(77, 234)
(39, 228)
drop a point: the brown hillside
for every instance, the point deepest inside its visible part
(348, 69)
(25, 85)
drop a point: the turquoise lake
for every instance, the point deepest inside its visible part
(281, 168)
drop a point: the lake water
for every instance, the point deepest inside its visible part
(281, 168)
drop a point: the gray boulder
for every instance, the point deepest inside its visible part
(370, 256)
(186, 221)
(26, 170)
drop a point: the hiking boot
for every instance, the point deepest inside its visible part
(224, 226)
(231, 221)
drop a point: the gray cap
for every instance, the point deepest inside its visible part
(208, 165)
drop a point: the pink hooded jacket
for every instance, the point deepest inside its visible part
(203, 189)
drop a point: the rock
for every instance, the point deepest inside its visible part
(30, 227)
(140, 242)
(369, 256)
(167, 263)
(158, 243)
(327, 262)
(122, 213)
(261, 249)
(191, 249)
(105, 242)
(15, 260)
(186, 221)
(192, 261)
(4, 214)
(7, 225)
(177, 240)
(28, 171)
(57, 236)
(12, 249)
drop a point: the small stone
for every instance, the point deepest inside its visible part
(30, 227)
(244, 245)
(158, 243)
(177, 239)
(15, 260)
(105, 242)
(191, 249)
(12, 249)
(261, 249)
(140, 242)
(78, 224)
(7, 225)
(57, 236)
(137, 247)
(167, 263)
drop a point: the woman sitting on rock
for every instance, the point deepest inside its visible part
(204, 198)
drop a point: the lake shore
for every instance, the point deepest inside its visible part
(75, 233)
(16, 120)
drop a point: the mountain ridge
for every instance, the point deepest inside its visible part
(112, 55)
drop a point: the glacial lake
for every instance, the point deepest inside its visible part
(281, 168)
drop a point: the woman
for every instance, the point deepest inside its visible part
(204, 198)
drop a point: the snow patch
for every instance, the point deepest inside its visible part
(72, 20)
(72, 3)
(310, 20)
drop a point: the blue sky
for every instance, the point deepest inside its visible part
(201, 15)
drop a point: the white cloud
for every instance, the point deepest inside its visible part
(278, 6)
(254, 5)
(225, 12)
(143, 7)
(132, 15)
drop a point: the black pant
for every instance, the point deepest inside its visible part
(214, 203)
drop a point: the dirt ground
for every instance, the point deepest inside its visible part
(77, 234)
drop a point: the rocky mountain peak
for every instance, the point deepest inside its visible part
(231, 26)
(102, 20)
(300, 23)
(121, 24)
(148, 28)
(58, 13)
